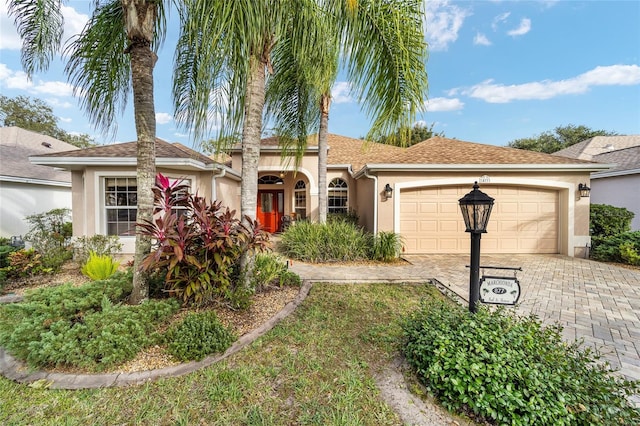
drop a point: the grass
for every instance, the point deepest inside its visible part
(315, 368)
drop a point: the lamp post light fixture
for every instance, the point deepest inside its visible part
(476, 208)
(388, 191)
(584, 190)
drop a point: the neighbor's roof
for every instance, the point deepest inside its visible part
(17, 144)
(627, 161)
(123, 154)
(589, 148)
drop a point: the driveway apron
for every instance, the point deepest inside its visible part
(593, 301)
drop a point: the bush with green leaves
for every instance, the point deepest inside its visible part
(197, 243)
(616, 248)
(99, 267)
(86, 326)
(606, 220)
(102, 245)
(200, 334)
(505, 369)
(4, 255)
(386, 246)
(50, 235)
(334, 241)
(271, 270)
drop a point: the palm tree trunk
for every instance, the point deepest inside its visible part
(323, 134)
(252, 128)
(139, 18)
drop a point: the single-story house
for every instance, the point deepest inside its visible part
(537, 208)
(617, 186)
(27, 188)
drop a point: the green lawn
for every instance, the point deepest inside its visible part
(314, 368)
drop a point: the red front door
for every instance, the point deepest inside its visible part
(270, 209)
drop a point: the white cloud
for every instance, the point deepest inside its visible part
(341, 92)
(74, 22)
(66, 120)
(55, 88)
(443, 104)
(481, 39)
(55, 102)
(614, 75)
(443, 22)
(163, 118)
(499, 19)
(525, 27)
(17, 80)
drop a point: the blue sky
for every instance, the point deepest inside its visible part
(498, 71)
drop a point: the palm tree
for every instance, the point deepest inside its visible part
(382, 46)
(112, 56)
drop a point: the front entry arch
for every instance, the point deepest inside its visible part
(270, 209)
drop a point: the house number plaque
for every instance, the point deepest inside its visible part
(499, 290)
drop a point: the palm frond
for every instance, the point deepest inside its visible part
(40, 25)
(98, 66)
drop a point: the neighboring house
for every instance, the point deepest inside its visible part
(537, 206)
(617, 186)
(26, 188)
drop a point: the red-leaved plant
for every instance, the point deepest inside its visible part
(199, 244)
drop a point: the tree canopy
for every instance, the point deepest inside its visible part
(37, 116)
(412, 135)
(560, 138)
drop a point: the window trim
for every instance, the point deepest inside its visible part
(344, 189)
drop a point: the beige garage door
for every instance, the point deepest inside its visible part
(523, 220)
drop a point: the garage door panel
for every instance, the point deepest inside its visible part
(523, 220)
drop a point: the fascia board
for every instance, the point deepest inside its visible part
(605, 174)
(17, 179)
(80, 162)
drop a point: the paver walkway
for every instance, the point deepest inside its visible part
(594, 301)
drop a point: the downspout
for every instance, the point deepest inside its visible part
(214, 191)
(375, 203)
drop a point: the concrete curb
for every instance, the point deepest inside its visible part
(18, 371)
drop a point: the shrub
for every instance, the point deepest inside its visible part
(26, 263)
(99, 267)
(606, 220)
(102, 245)
(197, 336)
(386, 246)
(510, 370)
(616, 248)
(333, 241)
(351, 216)
(629, 253)
(50, 235)
(199, 244)
(271, 270)
(82, 326)
(5, 250)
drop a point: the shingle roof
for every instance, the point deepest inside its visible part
(16, 145)
(439, 150)
(433, 151)
(589, 148)
(129, 150)
(624, 159)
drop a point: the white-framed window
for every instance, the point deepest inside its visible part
(338, 196)
(121, 205)
(300, 199)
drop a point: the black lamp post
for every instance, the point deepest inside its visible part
(476, 208)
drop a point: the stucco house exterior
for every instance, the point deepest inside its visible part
(27, 188)
(537, 209)
(617, 186)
